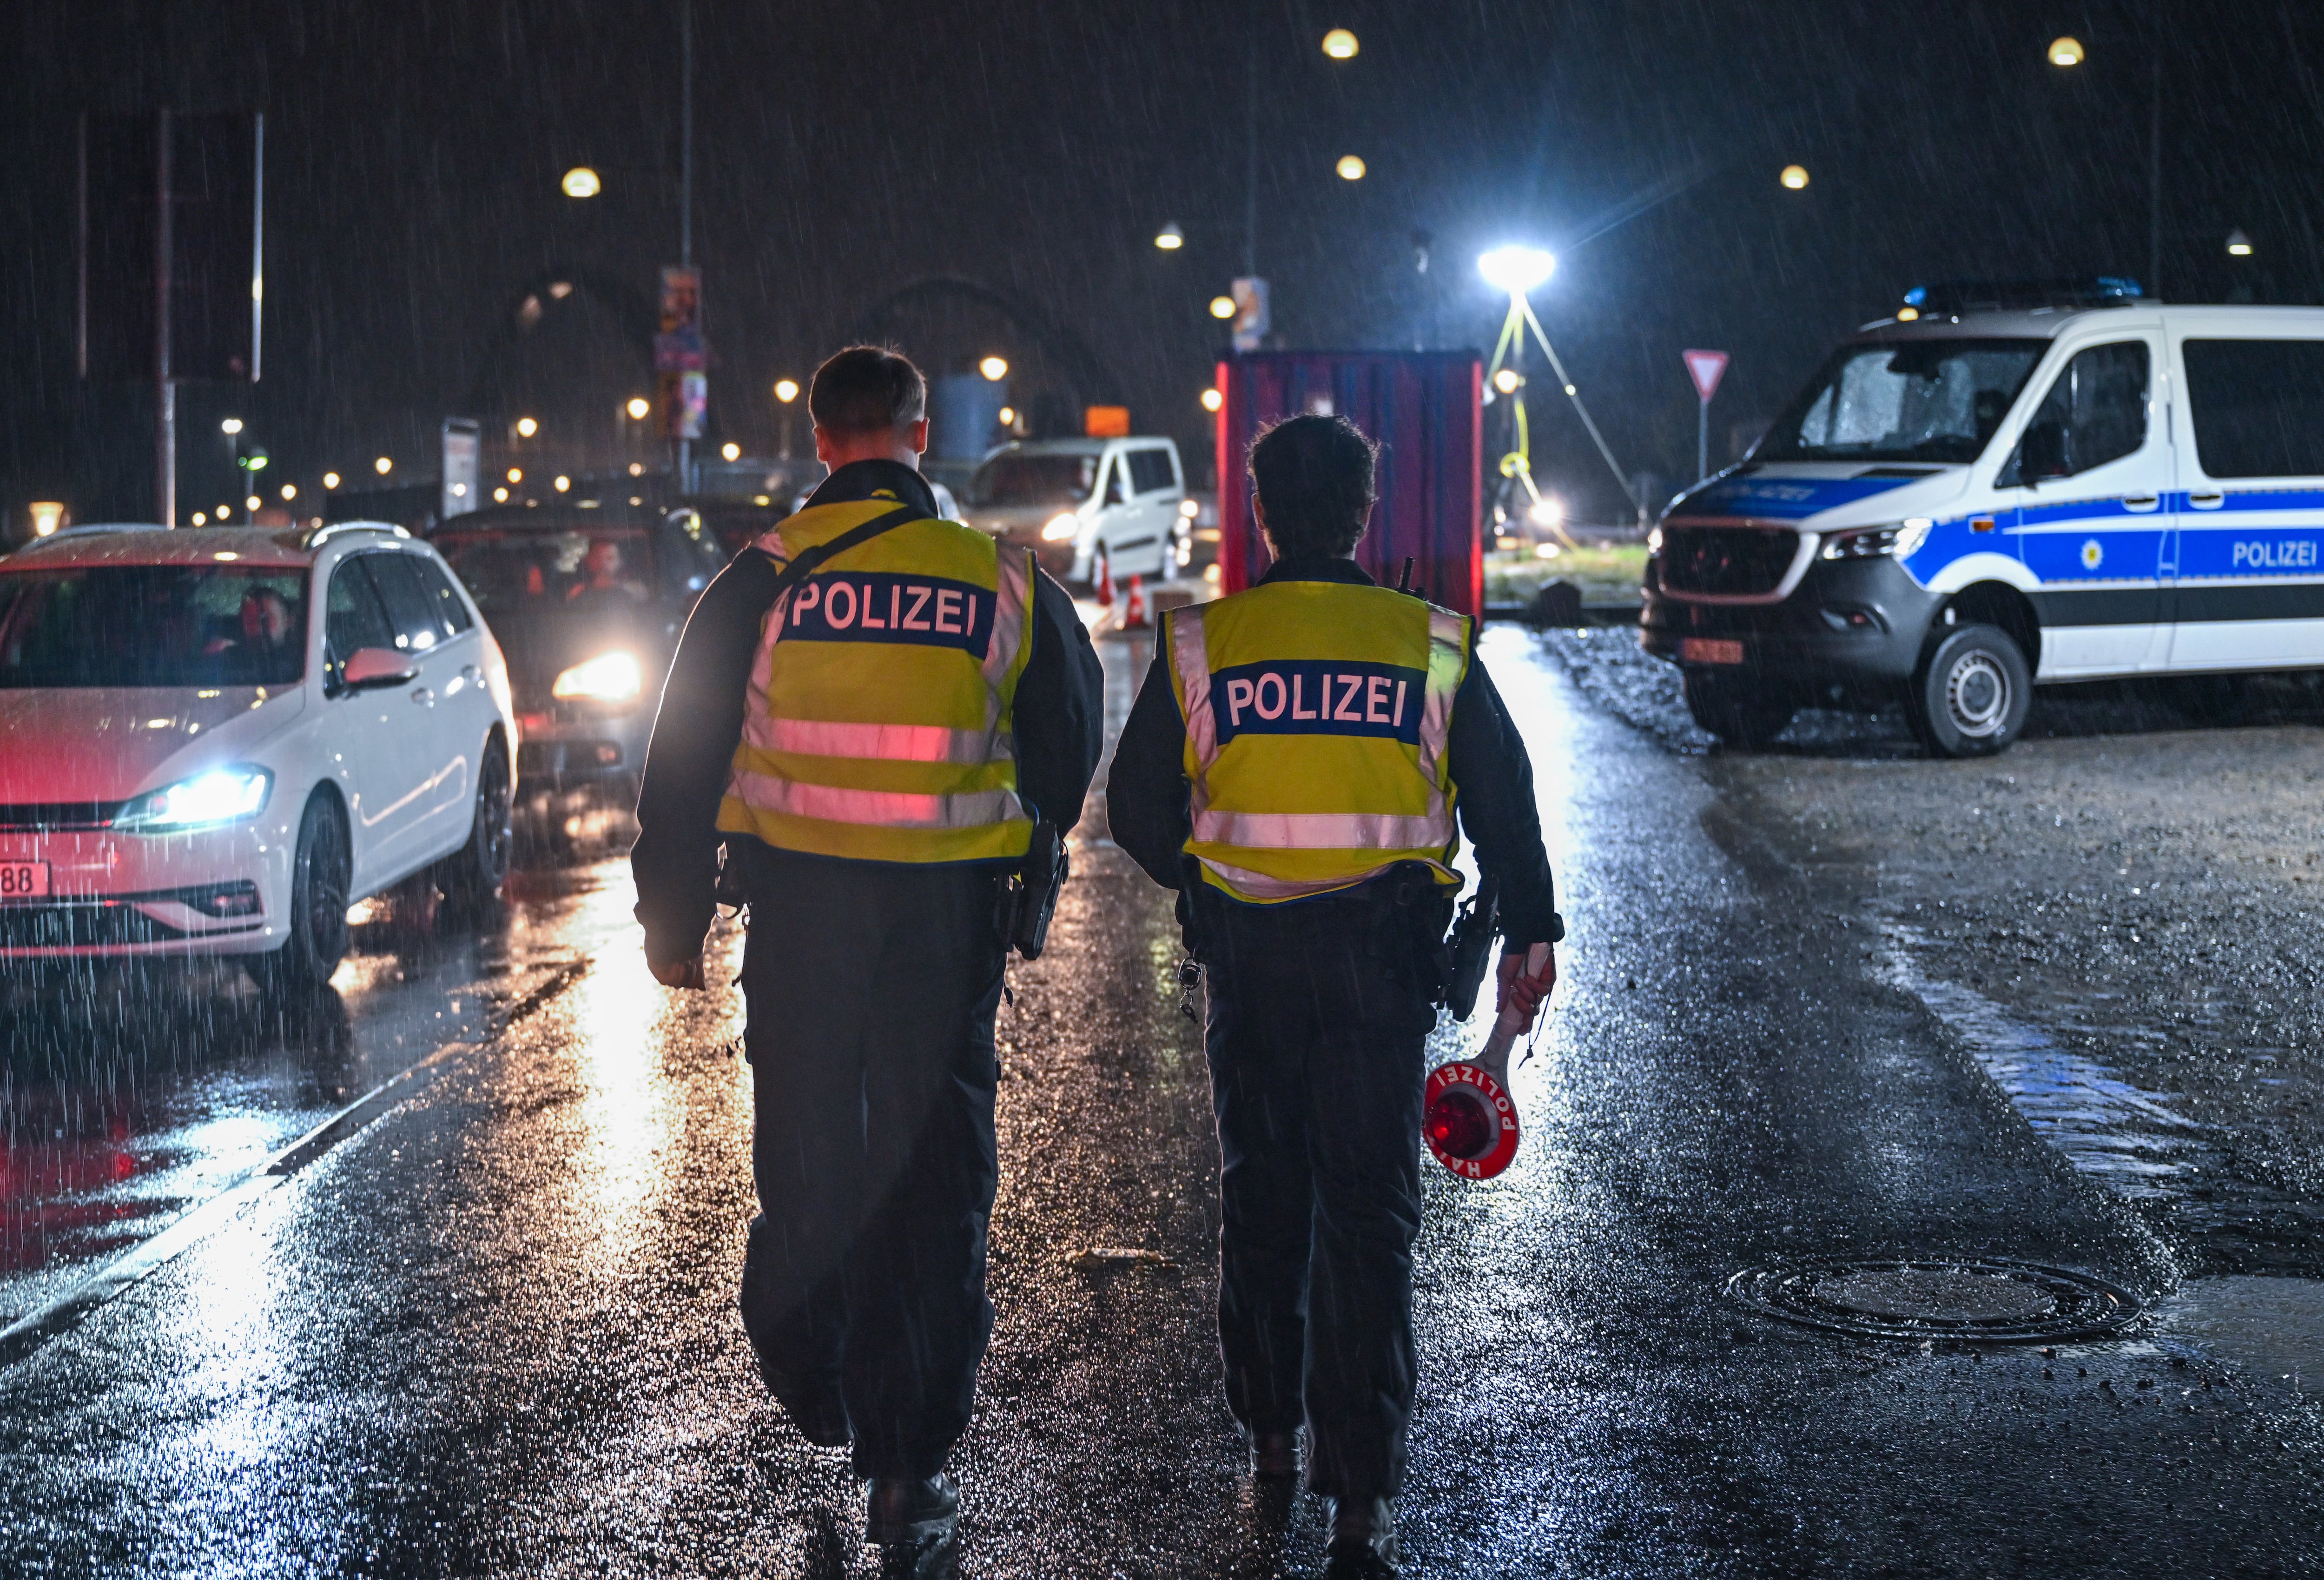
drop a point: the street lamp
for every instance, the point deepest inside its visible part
(2065, 51)
(638, 407)
(2239, 245)
(48, 515)
(1223, 308)
(581, 181)
(526, 427)
(290, 492)
(1795, 177)
(1507, 380)
(232, 425)
(383, 465)
(1350, 168)
(330, 479)
(1170, 238)
(786, 391)
(730, 450)
(994, 369)
(1212, 400)
(1341, 44)
(564, 484)
(1517, 270)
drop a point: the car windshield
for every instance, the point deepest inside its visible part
(1033, 480)
(152, 626)
(539, 570)
(1931, 400)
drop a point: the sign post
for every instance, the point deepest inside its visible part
(1705, 368)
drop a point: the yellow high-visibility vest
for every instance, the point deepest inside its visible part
(1317, 718)
(879, 723)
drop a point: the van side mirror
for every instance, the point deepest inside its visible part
(368, 668)
(2041, 454)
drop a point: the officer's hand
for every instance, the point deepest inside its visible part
(677, 973)
(1527, 993)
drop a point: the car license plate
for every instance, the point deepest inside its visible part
(24, 880)
(1709, 650)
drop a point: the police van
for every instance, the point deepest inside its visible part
(2003, 487)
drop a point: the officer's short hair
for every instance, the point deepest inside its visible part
(1315, 477)
(867, 388)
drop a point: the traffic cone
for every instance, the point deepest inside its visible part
(1105, 583)
(1133, 612)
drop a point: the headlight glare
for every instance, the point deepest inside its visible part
(1061, 527)
(1653, 542)
(609, 678)
(222, 795)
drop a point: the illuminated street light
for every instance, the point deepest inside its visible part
(637, 469)
(786, 391)
(1794, 177)
(500, 496)
(1350, 168)
(2239, 245)
(581, 181)
(526, 427)
(994, 368)
(253, 502)
(1212, 400)
(2065, 51)
(1170, 238)
(516, 474)
(638, 407)
(289, 492)
(232, 425)
(730, 450)
(330, 479)
(563, 484)
(1007, 417)
(1223, 308)
(1341, 44)
(199, 520)
(1517, 270)
(383, 465)
(48, 515)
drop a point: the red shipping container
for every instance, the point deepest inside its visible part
(1426, 411)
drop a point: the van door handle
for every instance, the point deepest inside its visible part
(2207, 502)
(2140, 503)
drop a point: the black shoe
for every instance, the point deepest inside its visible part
(1363, 1541)
(1274, 1456)
(815, 1408)
(911, 1514)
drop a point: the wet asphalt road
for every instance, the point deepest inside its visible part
(489, 1330)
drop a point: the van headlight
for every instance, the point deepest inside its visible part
(1871, 542)
(222, 795)
(1058, 529)
(609, 678)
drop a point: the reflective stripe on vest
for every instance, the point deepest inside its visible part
(1317, 718)
(879, 723)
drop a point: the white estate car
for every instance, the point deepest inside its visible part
(212, 741)
(1084, 506)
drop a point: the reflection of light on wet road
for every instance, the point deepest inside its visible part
(229, 1321)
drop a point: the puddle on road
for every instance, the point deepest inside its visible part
(2131, 1141)
(2274, 1327)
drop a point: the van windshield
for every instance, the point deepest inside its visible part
(1033, 480)
(1932, 400)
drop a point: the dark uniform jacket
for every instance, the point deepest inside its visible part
(1060, 713)
(1147, 789)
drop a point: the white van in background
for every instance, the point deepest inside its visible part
(1989, 492)
(1084, 504)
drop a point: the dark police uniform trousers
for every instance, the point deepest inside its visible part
(1317, 1016)
(871, 990)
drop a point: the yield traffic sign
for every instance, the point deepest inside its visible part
(1705, 367)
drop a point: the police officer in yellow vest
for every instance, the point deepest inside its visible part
(873, 747)
(1293, 766)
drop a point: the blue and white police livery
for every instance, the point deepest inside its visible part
(1967, 501)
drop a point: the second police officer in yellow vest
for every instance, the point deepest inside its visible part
(1293, 766)
(870, 710)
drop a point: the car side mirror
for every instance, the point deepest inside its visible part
(2041, 452)
(367, 668)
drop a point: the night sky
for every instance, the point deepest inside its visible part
(844, 152)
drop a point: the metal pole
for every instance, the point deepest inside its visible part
(1250, 163)
(686, 193)
(165, 393)
(2154, 158)
(1702, 440)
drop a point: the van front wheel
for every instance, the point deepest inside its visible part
(1733, 707)
(1971, 693)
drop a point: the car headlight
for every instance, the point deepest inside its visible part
(1060, 527)
(609, 678)
(1871, 542)
(1654, 541)
(222, 795)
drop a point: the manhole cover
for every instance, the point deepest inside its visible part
(1989, 1302)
